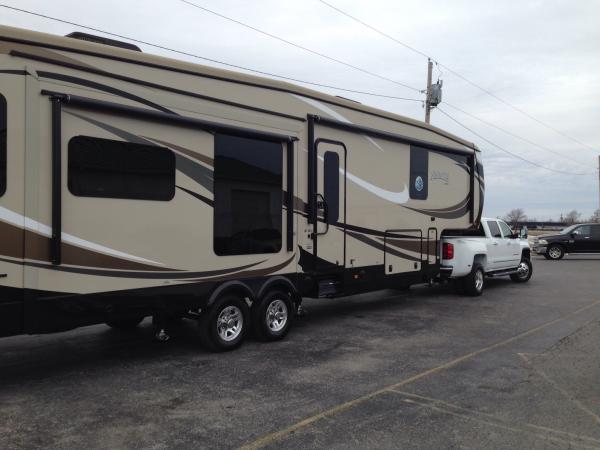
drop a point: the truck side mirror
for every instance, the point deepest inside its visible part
(523, 233)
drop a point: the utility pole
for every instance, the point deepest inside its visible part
(428, 95)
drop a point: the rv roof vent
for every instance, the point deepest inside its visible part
(103, 40)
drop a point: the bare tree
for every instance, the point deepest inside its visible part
(514, 216)
(595, 217)
(572, 217)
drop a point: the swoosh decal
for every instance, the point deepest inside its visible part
(336, 115)
(391, 196)
(18, 220)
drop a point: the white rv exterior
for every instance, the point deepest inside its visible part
(135, 185)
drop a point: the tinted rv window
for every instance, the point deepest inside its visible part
(331, 190)
(419, 173)
(248, 204)
(117, 169)
(3, 130)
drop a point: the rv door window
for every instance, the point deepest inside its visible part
(3, 131)
(248, 202)
(331, 189)
(118, 169)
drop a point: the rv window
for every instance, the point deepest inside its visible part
(3, 130)
(117, 169)
(419, 173)
(248, 203)
(331, 193)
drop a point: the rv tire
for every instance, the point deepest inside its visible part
(223, 325)
(125, 324)
(272, 315)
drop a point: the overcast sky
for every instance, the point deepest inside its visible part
(540, 56)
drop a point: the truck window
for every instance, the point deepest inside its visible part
(596, 231)
(248, 204)
(506, 231)
(3, 131)
(494, 229)
(584, 230)
(118, 169)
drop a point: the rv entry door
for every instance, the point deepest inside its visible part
(330, 239)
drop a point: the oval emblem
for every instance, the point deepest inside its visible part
(419, 184)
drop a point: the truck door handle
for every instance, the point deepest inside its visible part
(3, 275)
(495, 243)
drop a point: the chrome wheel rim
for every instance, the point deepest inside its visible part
(479, 280)
(277, 315)
(523, 270)
(230, 323)
(554, 253)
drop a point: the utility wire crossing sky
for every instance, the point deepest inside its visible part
(534, 77)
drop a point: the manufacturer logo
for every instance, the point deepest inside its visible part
(419, 184)
(442, 176)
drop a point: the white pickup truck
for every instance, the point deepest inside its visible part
(468, 256)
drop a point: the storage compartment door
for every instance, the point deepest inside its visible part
(403, 251)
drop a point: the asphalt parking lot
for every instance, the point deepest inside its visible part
(515, 368)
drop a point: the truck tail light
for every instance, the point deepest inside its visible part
(447, 250)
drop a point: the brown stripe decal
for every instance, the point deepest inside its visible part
(378, 245)
(37, 247)
(11, 240)
(412, 245)
(192, 154)
(180, 275)
(253, 273)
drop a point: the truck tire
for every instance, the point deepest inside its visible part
(555, 252)
(524, 271)
(473, 283)
(125, 324)
(224, 324)
(272, 315)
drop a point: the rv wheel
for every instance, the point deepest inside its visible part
(223, 326)
(272, 316)
(125, 324)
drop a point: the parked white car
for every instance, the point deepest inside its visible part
(468, 256)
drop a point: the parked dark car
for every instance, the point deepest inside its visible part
(581, 238)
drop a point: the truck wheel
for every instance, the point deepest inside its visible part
(223, 326)
(473, 283)
(555, 252)
(272, 316)
(125, 324)
(524, 271)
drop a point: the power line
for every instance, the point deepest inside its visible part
(306, 49)
(462, 77)
(261, 72)
(510, 133)
(509, 152)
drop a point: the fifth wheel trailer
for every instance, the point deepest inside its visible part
(134, 185)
